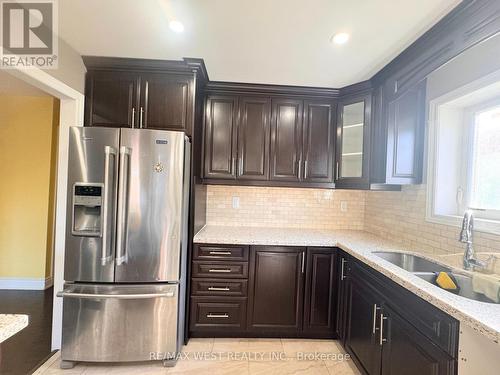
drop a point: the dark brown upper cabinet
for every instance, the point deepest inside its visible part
(397, 135)
(283, 138)
(253, 138)
(112, 99)
(320, 292)
(220, 146)
(353, 142)
(286, 140)
(166, 102)
(140, 93)
(405, 136)
(318, 144)
(276, 286)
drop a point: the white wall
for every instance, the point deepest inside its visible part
(471, 65)
(71, 69)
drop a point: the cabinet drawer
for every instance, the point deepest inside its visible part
(220, 269)
(211, 313)
(220, 252)
(219, 287)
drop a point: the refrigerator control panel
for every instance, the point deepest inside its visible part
(87, 209)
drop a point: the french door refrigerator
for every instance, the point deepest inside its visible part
(126, 245)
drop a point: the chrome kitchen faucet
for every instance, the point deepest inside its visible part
(470, 262)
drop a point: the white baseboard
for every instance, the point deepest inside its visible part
(26, 283)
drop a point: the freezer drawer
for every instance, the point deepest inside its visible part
(115, 323)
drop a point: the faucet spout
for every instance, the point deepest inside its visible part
(470, 262)
(467, 227)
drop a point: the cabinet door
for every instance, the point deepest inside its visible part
(406, 351)
(353, 142)
(363, 330)
(318, 141)
(276, 289)
(405, 133)
(342, 298)
(166, 102)
(286, 140)
(111, 99)
(220, 137)
(319, 301)
(253, 138)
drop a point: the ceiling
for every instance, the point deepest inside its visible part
(257, 41)
(10, 85)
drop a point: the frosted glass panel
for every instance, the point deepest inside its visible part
(353, 117)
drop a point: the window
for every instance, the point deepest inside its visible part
(464, 157)
(484, 185)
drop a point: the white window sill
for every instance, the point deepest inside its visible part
(480, 225)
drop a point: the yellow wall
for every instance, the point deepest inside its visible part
(28, 154)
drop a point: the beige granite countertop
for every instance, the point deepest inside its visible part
(10, 324)
(482, 317)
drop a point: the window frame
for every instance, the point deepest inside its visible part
(489, 223)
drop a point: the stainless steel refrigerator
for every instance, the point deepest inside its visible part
(126, 245)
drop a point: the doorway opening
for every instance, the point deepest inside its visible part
(29, 132)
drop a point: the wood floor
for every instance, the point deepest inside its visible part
(233, 356)
(27, 349)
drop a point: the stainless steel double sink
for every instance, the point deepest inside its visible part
(426, 269)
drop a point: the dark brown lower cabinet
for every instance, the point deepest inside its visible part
(314, 292)
(276, 289)
(390, 331)
(406, 351)
(216, 315)
(363, 331)
(320, 292)
(263, 291)
(341, 307)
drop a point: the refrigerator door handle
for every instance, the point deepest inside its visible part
(122, 212)
(107, 243)
(64, 294)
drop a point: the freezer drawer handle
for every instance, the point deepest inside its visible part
(220, 270)
(114, 296)
(220, 253)
(224, 316)
(224, 289)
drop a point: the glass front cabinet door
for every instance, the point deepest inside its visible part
(353, 136)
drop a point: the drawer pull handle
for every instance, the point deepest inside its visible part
(220, 270)
(220, 253)
(223, 316)
(224, 289)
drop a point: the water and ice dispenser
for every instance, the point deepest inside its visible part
(87, 209)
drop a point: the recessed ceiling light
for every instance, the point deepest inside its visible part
(340, 38)
(176, 26)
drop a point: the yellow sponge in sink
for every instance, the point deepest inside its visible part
(446, 281)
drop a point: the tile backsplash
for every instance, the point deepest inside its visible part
(400, 216)
(285, 207)
(395, 215)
